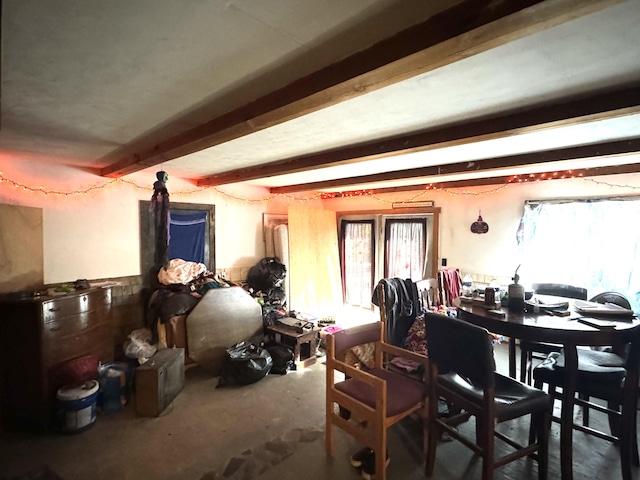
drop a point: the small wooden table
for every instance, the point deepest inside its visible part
(304, 343)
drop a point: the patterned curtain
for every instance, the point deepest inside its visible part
(358, 263)
(405, 249)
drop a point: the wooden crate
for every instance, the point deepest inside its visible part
(159, 381)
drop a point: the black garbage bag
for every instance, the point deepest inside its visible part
(283, 358)
(245, 363)
(267, 274)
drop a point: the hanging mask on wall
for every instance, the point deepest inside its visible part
(479, 226)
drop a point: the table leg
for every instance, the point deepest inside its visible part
(512, 357)
(566, 417)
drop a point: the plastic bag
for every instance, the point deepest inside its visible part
(138, 344)
(283, 358)
(245, 363)
(267, 274)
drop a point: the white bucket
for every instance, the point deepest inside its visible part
(78, 406)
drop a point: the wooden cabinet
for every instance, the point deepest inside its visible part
(41, 334)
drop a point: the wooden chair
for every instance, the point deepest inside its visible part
(539, 350)
(606, 376)
(463, 373)
(376, 398)
(428, 293)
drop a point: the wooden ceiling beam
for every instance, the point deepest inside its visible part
(469, 28)
(498, 180)
(597, 106)
(620, 147)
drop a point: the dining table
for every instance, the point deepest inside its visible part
(572, 329)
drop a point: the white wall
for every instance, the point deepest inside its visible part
(493, 254)
(96, 235)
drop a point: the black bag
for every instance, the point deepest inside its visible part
(245, 363)
(282, 358)
(267, 274)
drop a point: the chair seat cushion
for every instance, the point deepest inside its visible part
(593, 367)
(512, 398)
(402, 391)
(540, 347)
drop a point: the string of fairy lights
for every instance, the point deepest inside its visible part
(420, 190)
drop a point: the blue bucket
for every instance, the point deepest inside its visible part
(115, 386)
(77, 406)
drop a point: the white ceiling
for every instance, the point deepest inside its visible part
(91, 83)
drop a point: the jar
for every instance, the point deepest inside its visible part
(490, 296)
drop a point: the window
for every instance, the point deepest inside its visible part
(377, 246)
(405, 243)
(357, 244)
(188, 213)
(592, 243)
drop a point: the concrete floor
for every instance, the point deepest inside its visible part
(273, 429)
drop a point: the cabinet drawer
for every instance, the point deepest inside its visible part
(57, 329)
(75, 304)
(74, 345)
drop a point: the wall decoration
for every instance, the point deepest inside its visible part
(479, 226)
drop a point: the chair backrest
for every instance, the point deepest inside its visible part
(358, 335)
(560, 290)
(460, 347)
(428, 293)
(612, 297)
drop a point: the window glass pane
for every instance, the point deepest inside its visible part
(590, 244)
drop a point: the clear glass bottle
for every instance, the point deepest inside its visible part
(467, 283)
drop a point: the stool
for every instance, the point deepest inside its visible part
(304, 344)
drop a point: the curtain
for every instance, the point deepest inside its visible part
(187, 232)
(591, 243)
(405, 248)
(357, 251)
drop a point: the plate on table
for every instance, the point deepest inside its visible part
(595, 308)
(542, 305)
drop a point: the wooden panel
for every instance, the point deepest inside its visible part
(21, 251)
(314, 265)
(223, 317)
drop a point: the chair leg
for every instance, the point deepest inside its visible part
(634, 437)
(525, 362)
(433, 435)
(487, 444)
(585, 409)
(328, 436)
(626, 442)
(381, 460)
(542, 423)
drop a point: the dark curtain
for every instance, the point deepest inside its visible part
(188, 235)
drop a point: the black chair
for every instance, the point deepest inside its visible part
(539, 350)
(612, 297)
(606, 376)
(462, 372)
(620, 300)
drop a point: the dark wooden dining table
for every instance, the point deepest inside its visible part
(546, 327)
